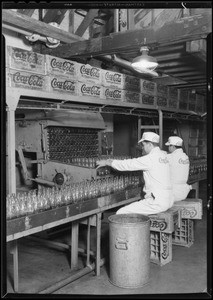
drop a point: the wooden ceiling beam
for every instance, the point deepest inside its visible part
(88, 19)
(26, 12)
(54, 15)
(31, 25)
(102, 30)
(170, 33)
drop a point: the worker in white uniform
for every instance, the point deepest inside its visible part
(155, 166)
(179, 168)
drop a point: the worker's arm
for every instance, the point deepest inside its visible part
(135, 164)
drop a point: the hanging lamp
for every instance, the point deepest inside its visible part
(144, 61)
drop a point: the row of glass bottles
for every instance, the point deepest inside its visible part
(47, 198)
(91, 162)
(196, 169)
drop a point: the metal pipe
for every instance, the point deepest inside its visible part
(60, 284)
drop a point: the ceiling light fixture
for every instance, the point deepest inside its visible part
(144, 62)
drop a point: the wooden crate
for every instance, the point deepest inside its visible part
(62, 84)
(61, 67)
(148, 87)
(160, 247)
(112, 93)
(184, 236)
(24, 60)
(162, 90)
(167, 221)
(148, 100)
(190, 208)
(131, 83)
(131, 97)
(162, 101)
(88, 73)
(26, 80)
(112, 79)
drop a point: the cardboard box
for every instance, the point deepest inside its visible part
(148, 87)
(162, 90)
(24, 60)
(90, 89)
(61, 67)
(110, 93)
(190, 208)
(62, 85)
(112, 79)
(132, 97)
(162, 101)
(87, 73)
(131, 83)
(26, 80)
(148, 99)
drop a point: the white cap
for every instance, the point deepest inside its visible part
(175, 141)
(150, 136)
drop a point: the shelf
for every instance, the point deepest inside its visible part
(33, 99)
(30, 224)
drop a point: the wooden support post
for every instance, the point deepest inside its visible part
(11, 175)
(74, 243)
(88, 240)
(161, 127)
(195, 186)
(139, 128)
(98, 243)
(14, 252)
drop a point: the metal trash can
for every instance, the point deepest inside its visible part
(129, 253)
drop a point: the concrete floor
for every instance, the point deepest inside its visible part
(41, 266)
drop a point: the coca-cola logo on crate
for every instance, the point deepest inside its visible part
(30, 57)
(31, 80)
(161, 101)
(147, 99)
(162, 89)
(132, 80)
(90, 90)
(132, 97)
(88, 71)
(114, 94)
(62, 65)
(113, 77)
(148, 85)
(65, 85)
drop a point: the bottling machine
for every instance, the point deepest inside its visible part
(65, 143)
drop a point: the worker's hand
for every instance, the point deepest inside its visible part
(100, 163)
(103, 163)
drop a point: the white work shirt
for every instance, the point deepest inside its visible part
(157, 188)
(179, 169)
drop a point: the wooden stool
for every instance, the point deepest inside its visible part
(191, 209)
(161, 228)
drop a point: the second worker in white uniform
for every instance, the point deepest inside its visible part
(179, 168)
(156, 172)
